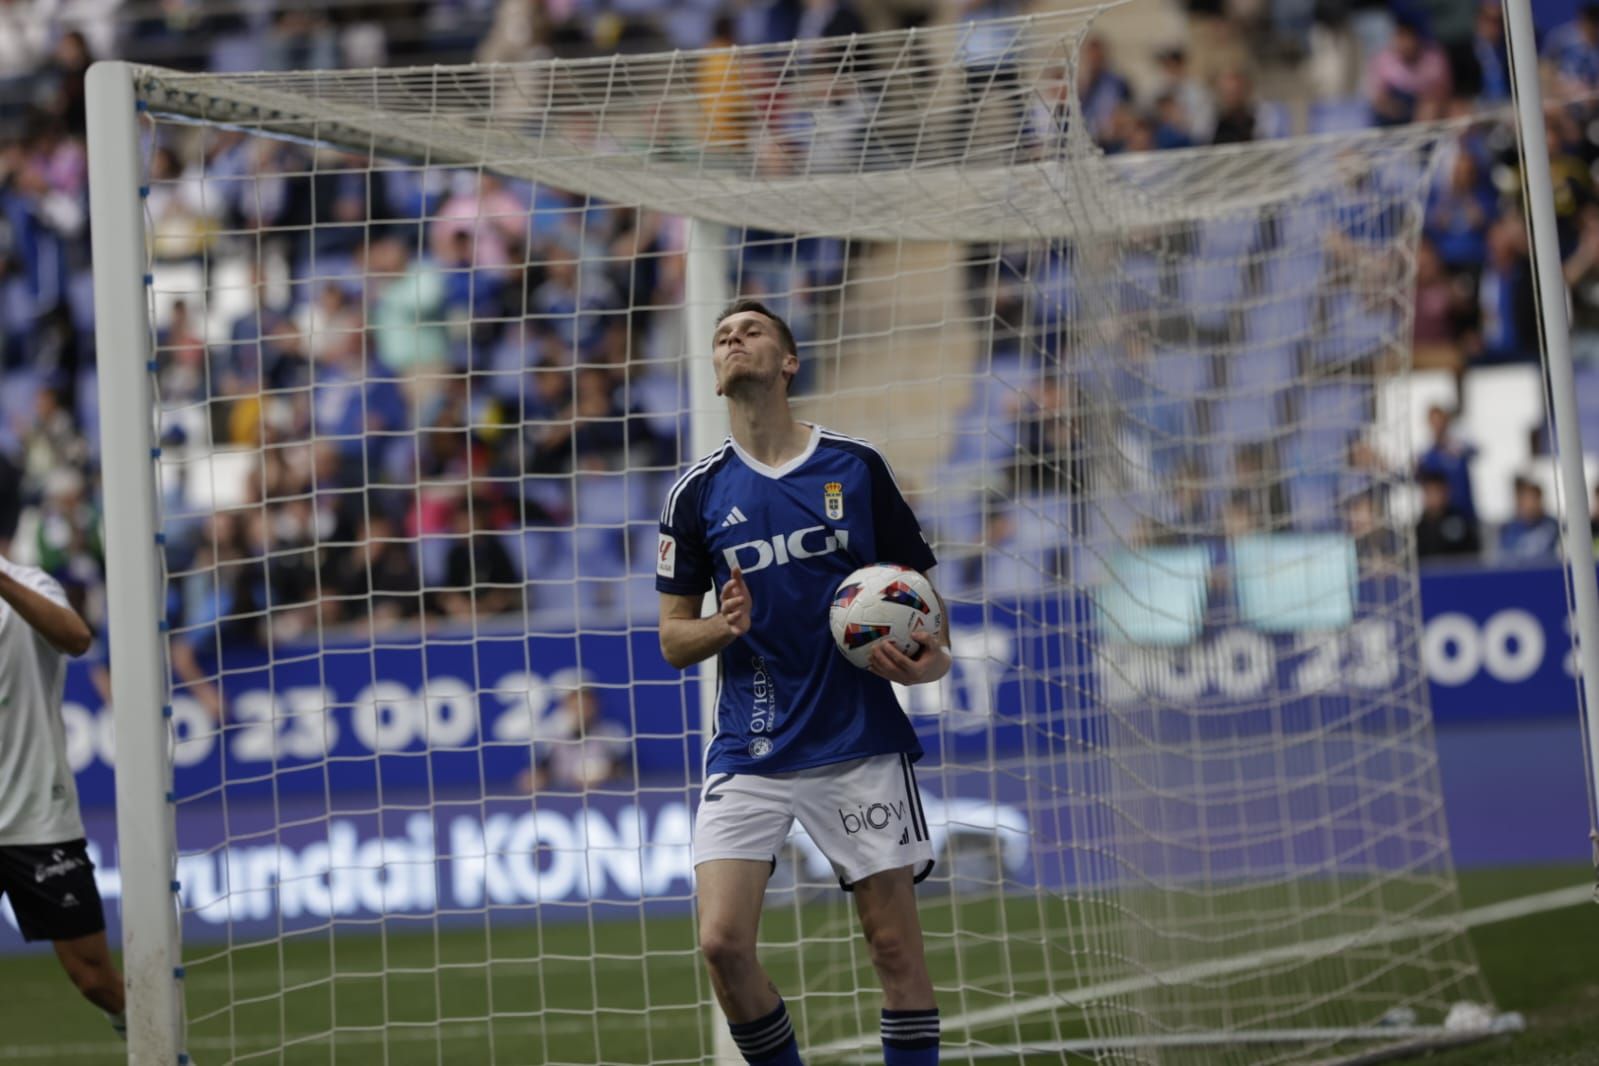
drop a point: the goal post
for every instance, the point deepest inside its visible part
(151, 960)
(705, 293)
(412, 361)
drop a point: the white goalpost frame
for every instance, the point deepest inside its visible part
(705, 292)
(145, 832)
(1551, 284)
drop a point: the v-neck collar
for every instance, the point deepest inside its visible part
(775, 472)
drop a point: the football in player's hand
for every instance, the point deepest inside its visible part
(883, 602)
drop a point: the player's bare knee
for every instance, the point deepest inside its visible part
(891, 951)
(726, 950)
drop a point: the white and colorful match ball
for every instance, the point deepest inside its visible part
(882, 602)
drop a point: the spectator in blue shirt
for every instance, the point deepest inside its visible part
(1171, 125)
(1509, 329)
(1450, 459)
(1532, 533)
(1573, 51)
(1458, 215)
(1101, 90)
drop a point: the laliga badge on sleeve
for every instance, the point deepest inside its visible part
(666, 558)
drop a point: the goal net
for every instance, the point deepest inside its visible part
(428, 347)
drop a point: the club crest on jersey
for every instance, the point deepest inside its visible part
(858, 636)
(760, 748)
(905, 596)
(833, 495)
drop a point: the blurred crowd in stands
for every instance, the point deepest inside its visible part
(548, 299)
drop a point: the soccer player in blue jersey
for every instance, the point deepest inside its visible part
(775, 518)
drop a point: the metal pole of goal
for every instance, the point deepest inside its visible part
(1551, 282)
(706, 290)
(133, 566)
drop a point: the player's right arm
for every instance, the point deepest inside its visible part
(50, 617)
(687, 638)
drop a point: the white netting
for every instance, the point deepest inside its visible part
(423, 380)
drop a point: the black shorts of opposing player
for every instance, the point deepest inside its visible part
(52, 891)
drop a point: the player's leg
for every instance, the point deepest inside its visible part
(886, 903)
(55, 898)
(729, 895)
(740, 824)
(867, 818)
(87, 960)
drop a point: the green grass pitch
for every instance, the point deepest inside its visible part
(390, 991)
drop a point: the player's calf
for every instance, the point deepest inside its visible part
(886, 903)
(87, 962)
(910, 1025)
(764, 1034)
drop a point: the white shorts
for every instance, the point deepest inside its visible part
(865, 815)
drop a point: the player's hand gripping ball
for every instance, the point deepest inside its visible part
(883, 602)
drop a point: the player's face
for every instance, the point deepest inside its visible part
(748, 355)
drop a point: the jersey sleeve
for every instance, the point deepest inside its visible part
(682, 558)
(37, 580)
(899, 535)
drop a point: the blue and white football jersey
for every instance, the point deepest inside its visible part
(787, 699)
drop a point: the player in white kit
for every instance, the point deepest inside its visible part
(45, 870)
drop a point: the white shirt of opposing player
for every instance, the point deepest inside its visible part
(38, 795)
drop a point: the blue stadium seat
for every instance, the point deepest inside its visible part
(1053, 291)
(435, 551)
(1209, 291)
(1227, 239)
(1306, 225)
(547, 554)
(1284, 321)
(981, 443)
(1162, 419)
(1275, 120)
(642, 602)
(1313, 499)
(1339, 116)
(604, 505)
(88, 398)
(951, 515)
(993, 398)
(1322, 445)
(1184, 373)
(1140, 284)
(80, 301)
(18, 398)
(1336, 405)
(1236, 419)
(1352, 331)
(604, 498)
(1296, 271)
(1257, 370)
(601, 602)
(1043, 522)
(1006, 574)
(1012, 370)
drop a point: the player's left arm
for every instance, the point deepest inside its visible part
(54, 621)
(932, 659)
(900, 540)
